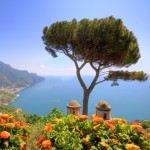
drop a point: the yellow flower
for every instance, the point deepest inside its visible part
(96, 126)
(119, 120)
(103, 144)
(58, 120)
(136, 126)
(132, 147)
(114, 141)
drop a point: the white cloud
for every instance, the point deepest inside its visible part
(42, 66)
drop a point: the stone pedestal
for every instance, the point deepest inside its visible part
(73, 107)
(103, 109)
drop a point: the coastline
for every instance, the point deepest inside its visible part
(11, 91)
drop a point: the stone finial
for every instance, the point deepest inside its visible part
(103, 109)
(73, 107)
(103, 105)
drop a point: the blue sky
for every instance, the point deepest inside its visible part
(22, 23)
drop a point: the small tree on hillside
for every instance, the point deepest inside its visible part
(104, 44)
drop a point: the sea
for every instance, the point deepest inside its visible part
(130, 100)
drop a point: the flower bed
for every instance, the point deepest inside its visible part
(78, 133)
(13, 133)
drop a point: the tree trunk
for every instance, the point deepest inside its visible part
(86, 91)
(85, 102)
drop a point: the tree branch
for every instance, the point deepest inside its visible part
(93, 66)
(85, 62)
(100, 82)
(78, 69)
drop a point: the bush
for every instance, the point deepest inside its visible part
(78, 133)
(55, 113)
(13, 134)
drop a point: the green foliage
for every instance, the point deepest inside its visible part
(70, 132)
(7, 109)
(106, 41)
(36, 131)
(20, 115)
(55, 113)
(126, 76)
(73, 133)
(32, 119)
(13, 133)
(145, 124)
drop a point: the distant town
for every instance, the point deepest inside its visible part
(11, 89)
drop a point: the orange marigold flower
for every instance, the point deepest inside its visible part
(3, 121)
(46, 144)
(4, 135)
(48, 127)
(97, 119)
(5, 116)
(9, 124)
(103, 144)
(109, 124)
(134, 126)
(18, 123)
(132, 147)
(42, 138)
(93, 116)
(12, 118)
(82, 117)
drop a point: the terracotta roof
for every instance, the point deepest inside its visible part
(103, 105)
(73, 103)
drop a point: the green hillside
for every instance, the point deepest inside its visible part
(6, 97)
(10, 77)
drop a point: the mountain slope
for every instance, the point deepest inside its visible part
(10, 77)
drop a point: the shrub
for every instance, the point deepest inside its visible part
(13, 133)
(78, 133)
